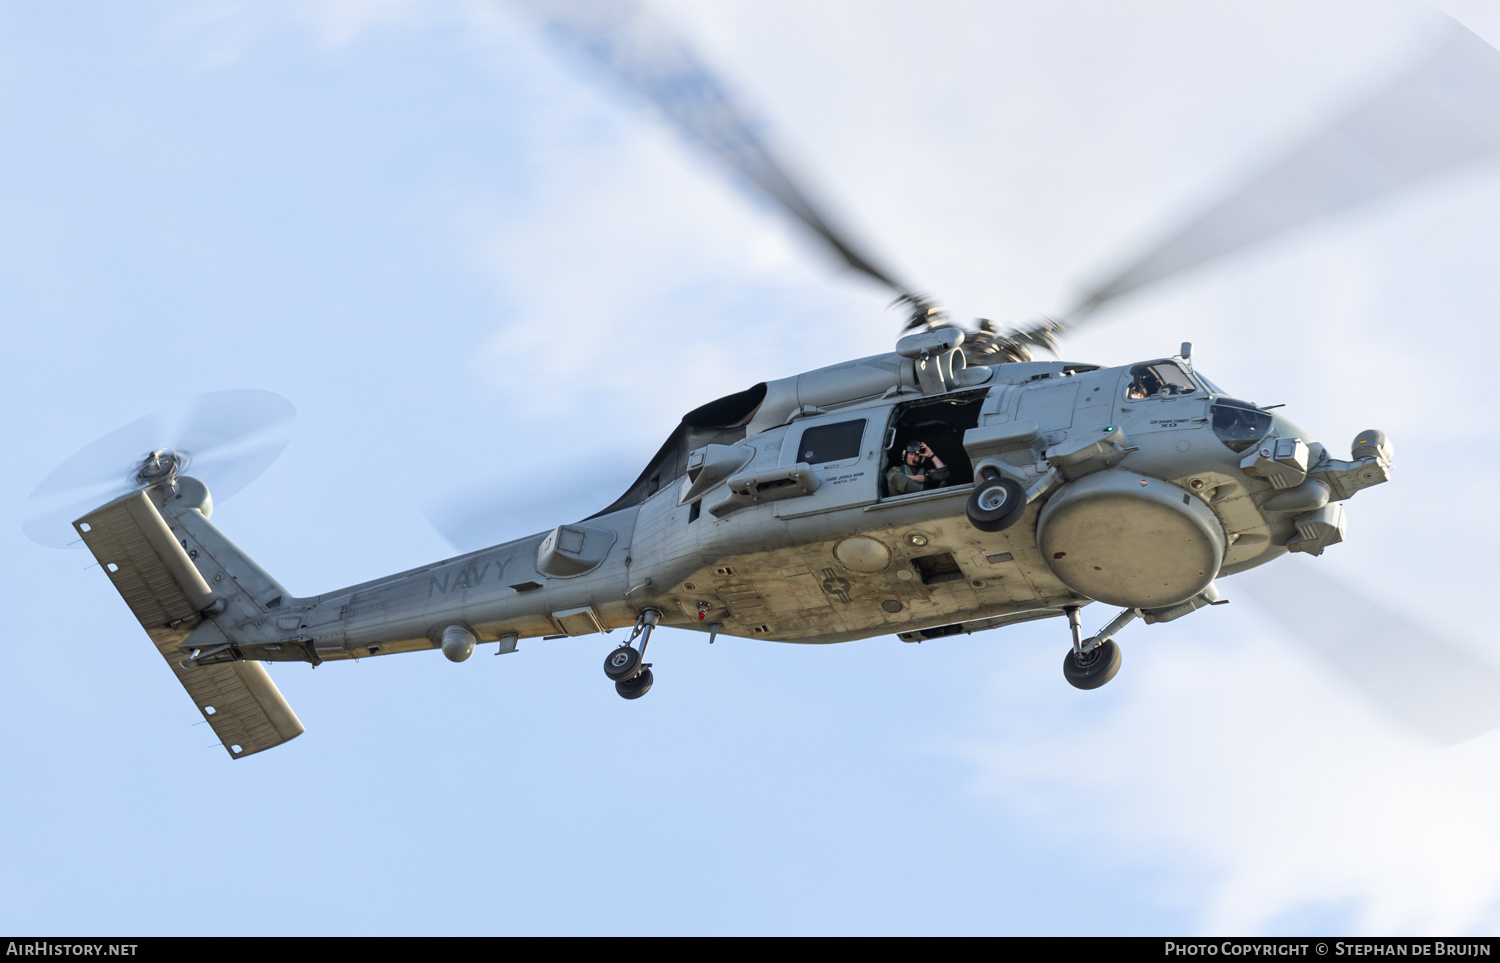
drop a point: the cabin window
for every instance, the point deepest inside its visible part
(832, 442)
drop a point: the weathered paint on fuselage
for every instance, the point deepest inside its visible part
(769, 570)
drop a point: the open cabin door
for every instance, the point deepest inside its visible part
(941, 424)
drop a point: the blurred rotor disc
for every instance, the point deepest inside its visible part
(223, 438)
(1441, 691)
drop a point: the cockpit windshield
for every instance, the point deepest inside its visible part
(1159, 379)
(1238, 424)
(1211, 386)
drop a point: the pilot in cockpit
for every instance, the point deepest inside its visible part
(1145, 384)
(1163, 379)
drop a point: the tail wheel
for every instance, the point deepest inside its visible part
(635, 687)
(622, 663)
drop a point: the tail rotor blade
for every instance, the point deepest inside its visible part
(227, 437)
(234, 436)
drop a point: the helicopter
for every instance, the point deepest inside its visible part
(767, 514)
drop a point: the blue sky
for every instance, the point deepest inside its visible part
(486, 278)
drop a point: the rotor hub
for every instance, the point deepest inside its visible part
(161, 467)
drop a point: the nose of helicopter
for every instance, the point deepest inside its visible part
(1305, 511)
(1284, 427)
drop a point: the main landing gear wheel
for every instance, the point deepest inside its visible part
(622, 663)
(996, 503)
(635, 687)
(627, 665)
(1094, 668)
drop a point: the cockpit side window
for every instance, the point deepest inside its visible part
(1159, 379)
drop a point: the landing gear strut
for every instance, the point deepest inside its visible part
(1093, 661)
(626, 666)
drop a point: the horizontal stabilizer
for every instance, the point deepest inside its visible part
(249, 712)
(167, 594)
(139, 553)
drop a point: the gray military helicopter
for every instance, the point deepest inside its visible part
(952, 485)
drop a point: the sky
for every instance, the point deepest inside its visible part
(490, 281)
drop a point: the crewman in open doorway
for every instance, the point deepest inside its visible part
(915, 474)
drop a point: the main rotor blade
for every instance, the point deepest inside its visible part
(1442, 113)
(638, 48)
(1441, 692)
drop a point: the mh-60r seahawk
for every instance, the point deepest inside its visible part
(765, 516)
(772, 513)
